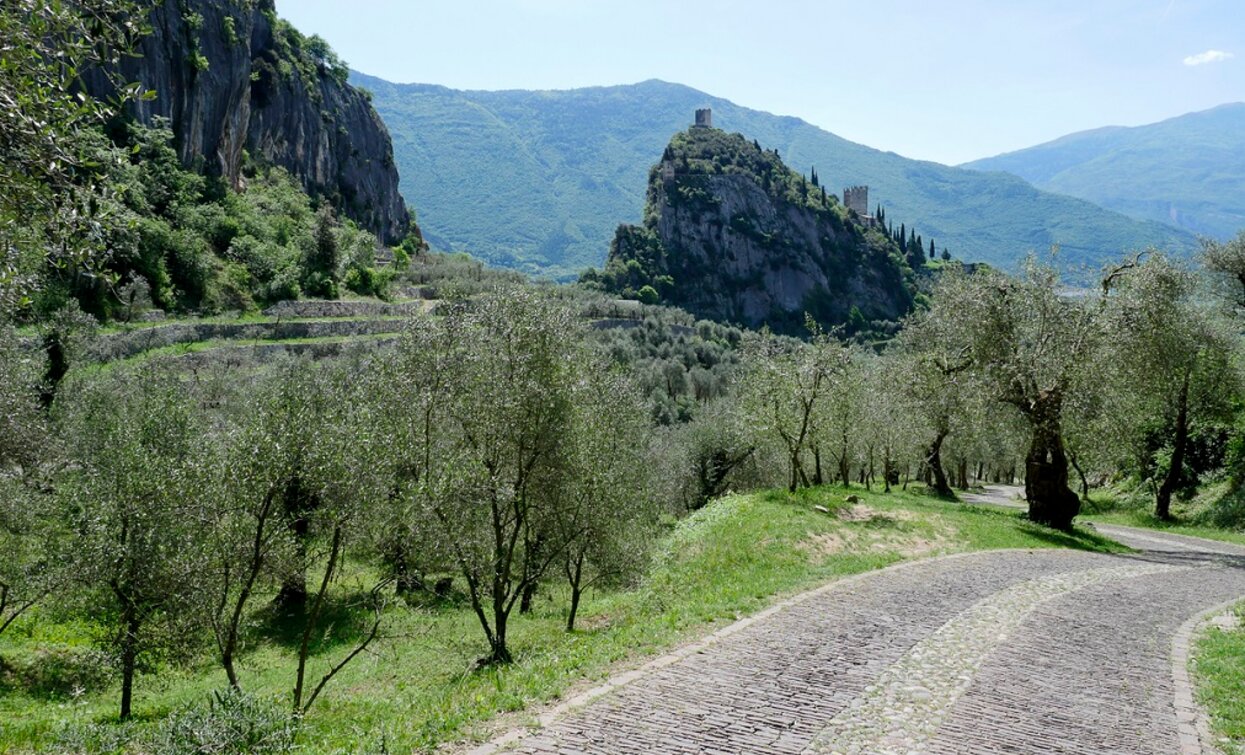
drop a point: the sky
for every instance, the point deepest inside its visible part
(942, 80)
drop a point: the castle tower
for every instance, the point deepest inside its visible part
(856, 198)
(704, 118)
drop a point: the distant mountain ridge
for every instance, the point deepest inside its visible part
(539, 180)
(1187, 172)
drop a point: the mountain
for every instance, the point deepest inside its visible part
(1188, 172)
(233, 80)
(732, 234)
(539, 180)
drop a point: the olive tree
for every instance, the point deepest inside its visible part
(933, 368)
(507, 410)
(606, 516)
(352, 477)
(1171, 365)
(1027, 342)
(256, 536)
(891, 419)
(28, 570)
(1226, 260)
(141, 464)
(53, 198)
(838, 415)
(783, 383)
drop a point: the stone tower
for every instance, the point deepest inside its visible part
(857, 198)
(704, 118)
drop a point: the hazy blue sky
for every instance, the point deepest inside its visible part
(945, 80)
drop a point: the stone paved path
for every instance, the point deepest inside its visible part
(1001, 652)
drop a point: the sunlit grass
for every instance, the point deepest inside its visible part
(421, 687)
(1219, 670)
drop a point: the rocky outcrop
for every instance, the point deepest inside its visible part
(233, 80)
(730, 233)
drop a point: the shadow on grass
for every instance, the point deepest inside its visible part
(344, 619)
(1077, 538)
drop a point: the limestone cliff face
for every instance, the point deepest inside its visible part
(731, 234)
(230, 77)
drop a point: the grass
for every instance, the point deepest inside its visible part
(1147, 519)
(1134, 507)
(223, 345)
(421, 688)
(1219, 672)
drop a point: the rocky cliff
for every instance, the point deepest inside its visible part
(730, 233)
(234, 80)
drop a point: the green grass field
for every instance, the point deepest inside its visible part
(1219, 670)
(420, 687)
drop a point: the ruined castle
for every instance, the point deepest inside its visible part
(704, 118)
(856, 198)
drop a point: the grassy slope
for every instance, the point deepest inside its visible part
(1146, 518)
(539, 180)
(420, 689)
(1219, 670)
(1200, 158)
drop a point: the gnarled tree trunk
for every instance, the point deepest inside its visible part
(1163, 501)
(1051, 501)
(934, 463)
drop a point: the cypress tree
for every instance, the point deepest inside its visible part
(931, 249)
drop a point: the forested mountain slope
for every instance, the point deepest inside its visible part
(1187, 172)
(539, 180)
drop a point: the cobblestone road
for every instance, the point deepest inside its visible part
(1003, 652)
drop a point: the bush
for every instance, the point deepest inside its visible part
(58, 672)
(233, 722)
(368, 281)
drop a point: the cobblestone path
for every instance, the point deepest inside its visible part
(1000, 652)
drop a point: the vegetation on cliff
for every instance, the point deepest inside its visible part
(113, 201)
(731, 233)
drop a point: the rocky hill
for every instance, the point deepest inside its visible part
(538, 180)
(732, 234)
(233, 80)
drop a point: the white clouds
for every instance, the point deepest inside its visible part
(1210, 56)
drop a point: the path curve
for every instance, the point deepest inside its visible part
(996, 652)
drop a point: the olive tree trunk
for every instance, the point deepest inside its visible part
(1163, 501)
(1051, 501)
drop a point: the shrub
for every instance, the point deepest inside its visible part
(58, 671)
(233, 722)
